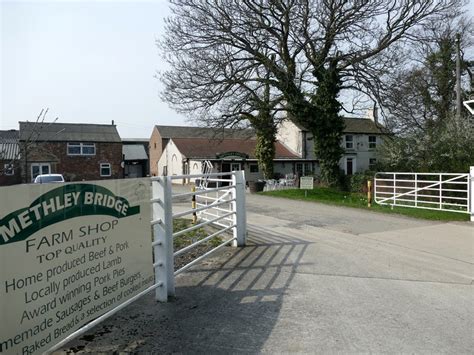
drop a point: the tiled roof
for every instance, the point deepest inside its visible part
(9, 148)
(68, 132)
(361, 125)
(358, 125)
(203, 148)
(203, 132)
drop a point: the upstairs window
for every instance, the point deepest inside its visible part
(372, 142)
(349, 141)
(81, 149)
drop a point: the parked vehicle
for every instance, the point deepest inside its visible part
(47, 178)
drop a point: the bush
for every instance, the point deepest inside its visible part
(358, 181)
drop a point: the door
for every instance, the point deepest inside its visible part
(133, 171)
(226, 167)
(40, 169)
(235, 167)
(350, 166)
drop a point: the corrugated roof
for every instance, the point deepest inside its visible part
(134, 152)
(203, 148)
(204, 132)
(70, 132)
(9, 148)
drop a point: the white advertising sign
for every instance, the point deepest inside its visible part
(306, 182)
(68, 254)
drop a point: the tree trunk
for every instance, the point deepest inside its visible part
(266, 137)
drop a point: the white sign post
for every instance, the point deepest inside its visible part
(306, 183)
(68, 254)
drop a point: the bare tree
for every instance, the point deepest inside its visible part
(312, 49)
(24, 145)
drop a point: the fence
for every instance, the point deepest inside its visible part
(444, 191)
(222, 206)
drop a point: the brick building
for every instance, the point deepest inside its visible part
(10, 169)
(135, 156)
(78, 151)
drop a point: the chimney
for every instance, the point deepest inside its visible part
(113, 122)
(372, 114)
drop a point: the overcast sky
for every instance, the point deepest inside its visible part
(87, 61)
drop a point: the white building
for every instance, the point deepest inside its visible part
(178, 150)
(360, 140)
(182, 156)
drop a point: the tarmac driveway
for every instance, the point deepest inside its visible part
(314, 278)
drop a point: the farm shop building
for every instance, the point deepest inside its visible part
(187, 155)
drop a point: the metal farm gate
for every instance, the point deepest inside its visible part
(451, 192)
(222, 206)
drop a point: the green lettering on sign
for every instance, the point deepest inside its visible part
(60, 204)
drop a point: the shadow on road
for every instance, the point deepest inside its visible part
(229, 303)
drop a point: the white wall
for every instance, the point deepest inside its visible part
(173, 159)
(290, 136)
(361, 151)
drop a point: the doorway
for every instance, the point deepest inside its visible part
(350, 166)
(228, 167)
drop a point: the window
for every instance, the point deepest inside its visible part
(304, 169)
(105, 169)
(40, 169)
(349, 141)
(8, 169)
(253, 168)
(372, 142)
(234, 166)
(81, 149)
(372, 163)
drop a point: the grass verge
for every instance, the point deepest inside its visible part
(357, 200)
(193, 236)
(189, 238)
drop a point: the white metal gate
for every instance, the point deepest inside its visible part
(230, 199)
(444, 191)
(221, 206)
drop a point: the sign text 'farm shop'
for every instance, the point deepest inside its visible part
(71, 254)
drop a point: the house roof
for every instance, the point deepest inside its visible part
(361, 125)
(71, 132)
(203, 132)
(357, 125)
(9, 148)
(134, 152)
(204, 148)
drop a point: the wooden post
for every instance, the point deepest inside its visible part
(369, 193)
(193, 205)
